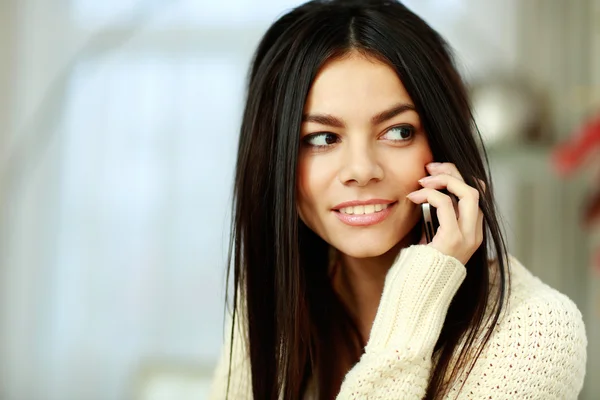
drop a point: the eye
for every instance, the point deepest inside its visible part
(400, 133)
(321, 139)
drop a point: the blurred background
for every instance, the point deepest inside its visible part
(118, 129)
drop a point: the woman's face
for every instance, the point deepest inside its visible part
(362, 151)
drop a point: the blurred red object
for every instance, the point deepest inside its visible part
(580, 149)
(583, 148)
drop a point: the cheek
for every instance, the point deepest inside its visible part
(405, 171)
(315, 190)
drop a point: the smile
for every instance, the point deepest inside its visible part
(368, 209)
(364, 215)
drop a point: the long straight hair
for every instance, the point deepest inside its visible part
(296, 327)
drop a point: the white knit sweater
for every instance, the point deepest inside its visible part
(537, 349)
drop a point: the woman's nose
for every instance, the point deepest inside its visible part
(360, 166)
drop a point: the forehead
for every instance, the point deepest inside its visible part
(357, 85)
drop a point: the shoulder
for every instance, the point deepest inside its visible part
(539, 344)
(533, 301)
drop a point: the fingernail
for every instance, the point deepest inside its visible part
(434, 164)
(425, 179)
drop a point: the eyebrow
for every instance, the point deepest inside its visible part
(330, 120)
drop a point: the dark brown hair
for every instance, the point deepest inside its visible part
(294, 319)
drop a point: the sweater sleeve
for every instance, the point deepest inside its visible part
(397, 361)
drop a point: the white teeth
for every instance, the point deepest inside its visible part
(369, 209)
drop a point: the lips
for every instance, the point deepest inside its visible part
(364, 213)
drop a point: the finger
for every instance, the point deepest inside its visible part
(482, 185)
(442, 203)
(454, 185)
(468, 200)
(450, 169)
(479, 237)
(444, 168)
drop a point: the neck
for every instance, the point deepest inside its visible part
(359, 282)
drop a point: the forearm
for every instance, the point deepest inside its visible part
(397, 360)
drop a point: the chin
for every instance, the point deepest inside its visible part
(365, 248)
(368, 244)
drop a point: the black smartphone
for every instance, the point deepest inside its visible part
(430, 221)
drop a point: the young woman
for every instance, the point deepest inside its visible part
(338, 295)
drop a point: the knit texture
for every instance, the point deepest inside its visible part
(537, 349)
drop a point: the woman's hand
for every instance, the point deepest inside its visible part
(458, 236)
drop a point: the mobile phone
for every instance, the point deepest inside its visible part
(430, 221)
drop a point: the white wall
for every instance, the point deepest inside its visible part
(7, 65)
